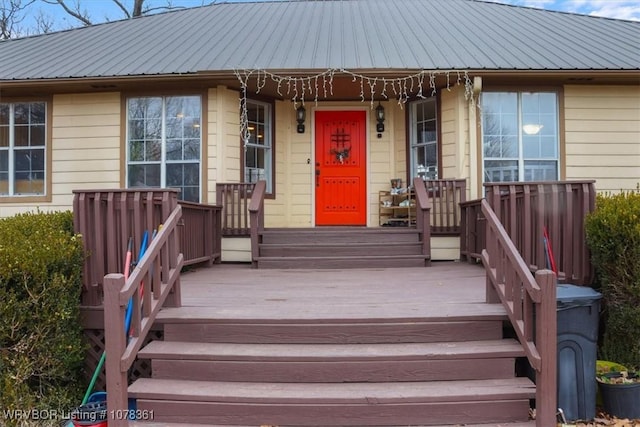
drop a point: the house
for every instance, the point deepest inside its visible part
(462, 89)
(326, 103)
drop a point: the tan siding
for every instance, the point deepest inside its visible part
(603, 135)
(454, 133)
(445, 248)
(222, 139)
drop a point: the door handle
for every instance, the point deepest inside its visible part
(317, 177)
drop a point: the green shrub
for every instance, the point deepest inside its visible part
(613, 236)
(41, 346)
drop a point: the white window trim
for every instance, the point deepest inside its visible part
(11, 149)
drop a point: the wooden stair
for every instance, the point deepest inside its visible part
(340, 247)
(340, 371)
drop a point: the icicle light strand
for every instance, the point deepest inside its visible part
(303, 89)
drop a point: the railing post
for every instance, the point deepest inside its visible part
(423, 211)
(256, 213)
(547, 344)
(115, 344)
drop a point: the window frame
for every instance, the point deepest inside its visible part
(163, 95)
(412, 136)
(270, 112)
(521, 158)
(46, 196)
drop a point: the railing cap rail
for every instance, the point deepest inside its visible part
(257, 196)
(523, 183)
(128, 190)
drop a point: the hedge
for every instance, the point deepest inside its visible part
(41, 345)
(613, 236)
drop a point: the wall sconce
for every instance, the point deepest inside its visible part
(380, 119)
(301, 115)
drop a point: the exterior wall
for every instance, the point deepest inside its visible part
(602, 135)
(85, 141)
(222, 139)
(455, 135)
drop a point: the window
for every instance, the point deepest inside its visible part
(424, 139)
(23, 130)
(163, 143)
(520, 136)
(258, 150)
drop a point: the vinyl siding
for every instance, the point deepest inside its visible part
(602, 135)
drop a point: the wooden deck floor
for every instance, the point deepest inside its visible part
(237, 291)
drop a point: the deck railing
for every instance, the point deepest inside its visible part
(423, 210)
(234, 199)
(256, 213)
(472, 230)
(526, 210)
(531, 306)
(107, 219)
(154, 282)
(445, 196)
(200, 233)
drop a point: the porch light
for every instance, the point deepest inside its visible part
(380, 119)
(301, 114)
(531, 129)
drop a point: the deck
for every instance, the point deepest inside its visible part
(237, 291)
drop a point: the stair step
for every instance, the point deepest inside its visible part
(303, 314)
(345, 404)
(319, 262)
(345, 333)
(332, 363)
(339, 235)
(345, 249)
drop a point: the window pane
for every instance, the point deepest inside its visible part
(4, 136)
(185, 176)
(500, 170)
(144, 175)
(4, 172)
(29, 171)
(4, 114)
(38, 113)
(174, 149)
(537, 170)
(192, 149)
(424, 139)
(21, 114)
(153, 151)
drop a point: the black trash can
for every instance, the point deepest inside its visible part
(578, 317)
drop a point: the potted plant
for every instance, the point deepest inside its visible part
(613, 236)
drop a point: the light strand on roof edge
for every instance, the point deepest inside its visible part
(296, 87)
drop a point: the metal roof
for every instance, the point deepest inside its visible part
(318, 35)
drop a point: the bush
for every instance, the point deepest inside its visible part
(613, 236)
(41, 346)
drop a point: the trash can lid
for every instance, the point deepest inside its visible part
(567, 293)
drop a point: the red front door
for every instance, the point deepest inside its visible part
(341, 168)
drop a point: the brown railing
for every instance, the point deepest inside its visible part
(526, 210)
(234, 199)
(256, 212)
(445, 196)
(154, 282)
(423, 225)
(531, 306)
(107, 219)
(472, 231)
(200, 233)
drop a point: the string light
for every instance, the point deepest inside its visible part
(310, 88)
